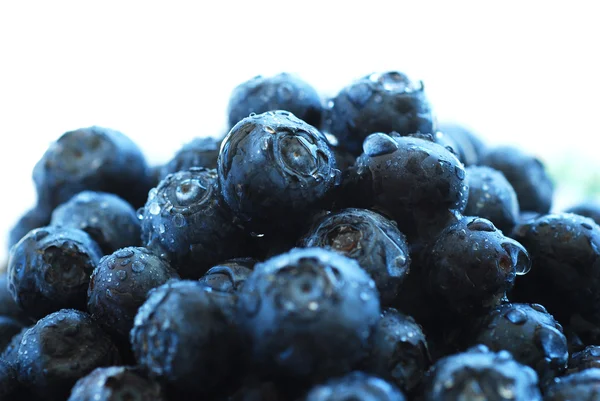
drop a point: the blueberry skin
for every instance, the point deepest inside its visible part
(50, 268)
(9, 327)
(280, 92)
(184, 336)
(186, 221)
(417, 182)
(34, 218)
(229, 276)
(356, 386)
(120, 284)
(93, 158)
(200, 152)
(116, 383)
(469, 146)
(587, 209)
(59, 350)
(11, 350)
(308, 313)
(565, 272)
(584, 386)
(532, 336)
(587, 358)
(109, 220)
(369, 238)
(471, 266)
(379, 102)
(492, 197)
(481, 374)
(526, 174)
(399, 351)
(275, 171)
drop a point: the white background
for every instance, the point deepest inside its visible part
(515, 71)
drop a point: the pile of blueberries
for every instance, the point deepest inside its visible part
(349, 249)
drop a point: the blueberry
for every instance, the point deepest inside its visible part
(59, 350)
(565, 272)
(308, 313)
(587, 358)
(186, 221)
(200, 152)
(109, 220)
(280, 92)
(530, 334)
(469, 146)
(471, 266)
(526, 174)
(34, 218)
(11, 350)
(119, 285)
(96, 159)
(379, 102)
(492, 197)
(584, 385)
(275, 170)
(184, 336)
(9, 327)
(479, 374)
(49, 269)
(587, 209)
(229, 276)
(356, 386)
(417, 182)
(399, 351)
(372, 240)
(116, 383)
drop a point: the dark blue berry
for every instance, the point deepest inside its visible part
(200, 152)
(479, 374)
(116, 383)
(372, 240)
(59, 350)
(526, 174)
(492, 197)
(96, 159)
(120, 284)
(184, 336)
(379, 102)
(275, 171)
(185, 221)
(280, 92)
(308, 313)
(356, 386)
(471, 266)
(49, 269)
(109, 220)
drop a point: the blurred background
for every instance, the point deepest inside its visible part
(524, 73)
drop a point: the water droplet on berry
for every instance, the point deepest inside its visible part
(161, 228)
(379, 144)
(516, 316)
(124, 253)
(137, 266)
(481, 225)
(460, 172)
(179, 220)
(122, 275)
(154, 208)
